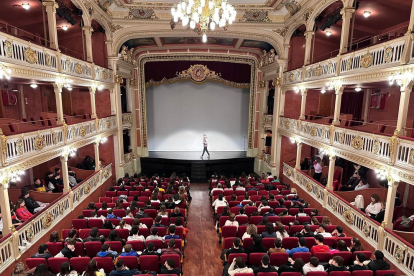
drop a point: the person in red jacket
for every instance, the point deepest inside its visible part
(319, 247)
(21, 210)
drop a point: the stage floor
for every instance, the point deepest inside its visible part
(195, 155)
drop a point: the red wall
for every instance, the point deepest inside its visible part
(296, 52)
(99, 49)
(292, 104)
(106, 151)
(33, 107)
(323, 48)
(81, 102)
(103, 103)
(312, 101)
(40, 171)
(72, 42)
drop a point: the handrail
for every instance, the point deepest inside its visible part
(398, 251)
(32, 230)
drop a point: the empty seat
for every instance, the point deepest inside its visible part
(33, 262)
(149, 262)
(279, 258)
(92, 248)
(79, 264)
(54, 247)
(105, 263)
(129, 261)
(55, 263)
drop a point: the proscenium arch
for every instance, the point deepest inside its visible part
(319, 8)
(151, 57)
(127, 33)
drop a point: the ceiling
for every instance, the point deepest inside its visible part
(254, 2)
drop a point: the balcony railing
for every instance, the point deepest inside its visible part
(398, 251)
(21, 52)
(21, 146)
(12, 246)
(379, 56)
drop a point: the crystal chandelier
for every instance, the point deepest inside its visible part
(204, 15)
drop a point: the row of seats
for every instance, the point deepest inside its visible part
(122, 212)
(323, 273)
(228, 192)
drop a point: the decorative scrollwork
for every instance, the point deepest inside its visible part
(394, 141)
(78, 69)
(308, 186)
(291, 77)
(365, 229)
(39, 142)
(30, 234)
(318, 70)
(312, 131)
(366, 60)
(399, 254)
(108, 124)
(388, 54)
(342, 137)
(19, 146)
(8, 49)
(106, 173)
(54, 137)
(87, 188)
(48, 60)
(47, 220)
(287, 124)
(357, 143)
(348, 216)
(82, 131)
(376, 147)
(30, 56)
(411, 157)
(62, 208)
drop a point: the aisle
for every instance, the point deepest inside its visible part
(202, 252)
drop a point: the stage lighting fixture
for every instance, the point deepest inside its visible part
(357, 89)
(33, 85)
(328, 33)
(367, 14)
(26, 6)
(65, 27)
(323, 90)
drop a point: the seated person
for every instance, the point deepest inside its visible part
(305, 232)
(157, 222)
(22, 213)
(270, 213)
(381, 214)
(42, 252)
(238, 266)
(322, 231)
(378, 262)
(220, 201)
(134, 236)
(301, 213)
(336, 264)
(150, 250)
(32, 205)
(40, 187)
(236, 248)
(128, 251)
(154, 235)
(362, 185)
(352, 182)
(93, 236)
(171, 248)
(301, 247)
(111, 215)
(359, 263)
(169, 268)
(232, 221)
(295, 266)
(172, 234)
(257, 246)
(72, 235)
(176, 213)
(338, 232)
(278, 247)
(313, 265)
(69, 250)
(141, 213)
(265, 266)
(121, 270)
(374, 207)
(107, 252)
(319, 247)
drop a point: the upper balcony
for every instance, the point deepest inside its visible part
(380, 56)
(28, 51)
(383, 148)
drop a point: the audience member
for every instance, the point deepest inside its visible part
(42, 252)
(134, 236)
(295, 266)
(69, 250)
(336, 264)
(313, 265)
(322, 231)
(278, 247)
(265, 265)
(170, 268)
(154, 235)
(250, 231)
(257, 246)
(378, 262)
(269, 231)
(171, 248)
(238, 266)
(301, 247)
(22, 213)
(359, 263)
(319, 247)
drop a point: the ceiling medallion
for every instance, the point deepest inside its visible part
(203, 15)
(366, 60)
(141, 13)
(256, 16)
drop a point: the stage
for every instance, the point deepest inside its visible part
(199, 170)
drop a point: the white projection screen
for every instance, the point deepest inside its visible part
(179, 114)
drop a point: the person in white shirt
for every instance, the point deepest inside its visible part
(232, 221)
(241, 267)
(313, 265)
(135, 236)
(375, 206)
(362, 185)
(280, 231)
(301, 213)
(218, 188)
(321, 231)
(220, 201)
(205, 145)
(240, 188)
(317, 165)
(154, 235)
(250, 231)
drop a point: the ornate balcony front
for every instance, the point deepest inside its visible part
(126, 120)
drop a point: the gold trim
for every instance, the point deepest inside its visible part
(399, 254)
(308, 186)
(348, 216)
(388, 54)
(394, 141)
(108, 124)
(87, 188)
(411, 157)
(54, 137)
(39, 142)
(376, 147)
(47, 220)
(48, 60)
(19, 146)
(288, 173)
(30, 233)
(341, 137)
(357, 143)
(312, 131)
(318, 70)
(8, 49)
(62, 208)
(82, 131)
(30, 56)
(365, 229)
(366, 60)
(78, 68)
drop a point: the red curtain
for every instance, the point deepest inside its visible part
(352, 104)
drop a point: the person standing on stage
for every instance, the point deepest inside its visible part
(205, 144)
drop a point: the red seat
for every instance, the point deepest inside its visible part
(323, 257)
(241, 231)
(229, 231)
(137, 245)
(79, 223)
(92, 248)
(227, 243)
(110, 193)
(129, 261)
(242, 219)
(54, 247)
(162, 231)
(264, 210)
(115, 222)
(268, 243)
(223, 220)
(363, 273)
(273, 219)
(175, 257)
(55, 263)
(317, 273)
(87, 213)
(149, 262)
(290, 274)
(158, 244)
(347, 240)
(330, 241)
(147, 221)
(102, 213)
(255, 259)
(65, 233)
(330, 228)
(310, 241)
(84, 233)
(121, 193)
(267, 274)
(342, 273)
(293, 211)
(122, 233)
(105, 199)
(237, 255)
(178, 244)
(33, 262)
(105, 262)
(152, 213)
(319, 218)
(143, 232)
(244, 274)
(98, 223)
(235, 210)
(251, 193)
(346, 255)
(250, 210)
(287, 219)
(278, 258)
(120, 213)
(115, 246)
(305, 256)
(304, 220)
(255, 219)
(290, 242)
(143, 198)
(79, 264)
(104, 232)
(384, 272)
(79, 249)
(295, 229)
(247, 242)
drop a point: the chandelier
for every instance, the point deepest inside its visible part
(204, 15)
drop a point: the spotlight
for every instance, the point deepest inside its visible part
(367, 14)
(296, 89)
(33, 85)
(357, 89)
(65, 27)
(26, 6)
(323, 90)
(328, 33)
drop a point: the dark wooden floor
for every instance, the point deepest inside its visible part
(202, 251)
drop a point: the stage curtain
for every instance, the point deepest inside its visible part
(235, 72)
(352, 104)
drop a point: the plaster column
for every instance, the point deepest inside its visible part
(304, 93)
(282, 103)
(22, 101)
(275, 157)
(367, 99)
(298, 154)
(128, 95)
(92, 91)
(308, 46)
(331, 172)
(5, 209)
(133, 132)
(346, 25)
(65, 175)
(59, 106)
(389, 208)
(88, 43)
(97, 161)
(51, 22)
(118, 137)
(262, 112)
(408, 48)
(403, 108)
(338, 100)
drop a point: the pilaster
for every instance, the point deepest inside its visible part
(65, 174)
(5, 208)
(59, 106)
(97, 161)
(346, 27)
(92, 91)
(403, 108)
(88, 43)
(51, 22)
(390, 203)
(308, 46)
(304, 93)
(331, 172)
(339, 90)
(298, 154)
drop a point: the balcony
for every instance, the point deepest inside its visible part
(18, 51)
(19, 147)
(396, 250)
(387, 149)
(379, 56)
